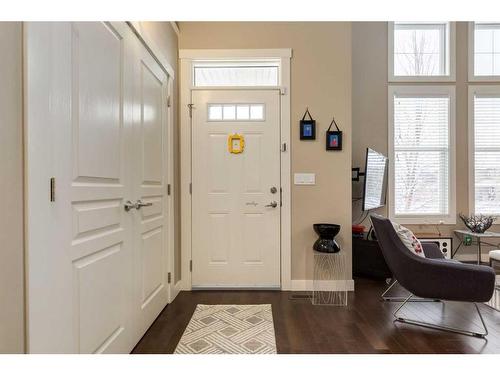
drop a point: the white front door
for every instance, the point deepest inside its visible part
(236, 195)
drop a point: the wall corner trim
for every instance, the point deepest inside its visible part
(152, 48)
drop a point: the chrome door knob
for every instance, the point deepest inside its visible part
(273, 204)
(140, 204)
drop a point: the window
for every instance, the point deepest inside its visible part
(236, 112)
(484, 59)
(421, 154)
(421, 51)
(484, 108)
(263, 73)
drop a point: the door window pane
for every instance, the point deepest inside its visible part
(236, 112)
(257, 112)
(243, 112)
(229, 112)
(215, 112)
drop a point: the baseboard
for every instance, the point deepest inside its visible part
(300, 285)
(175, 289)
(327, 285)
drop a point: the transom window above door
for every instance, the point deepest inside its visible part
(236, 73)
(236, 112)
(421, 51)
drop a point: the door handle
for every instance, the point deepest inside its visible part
(273, 204)
(140, 204)
(129, 205)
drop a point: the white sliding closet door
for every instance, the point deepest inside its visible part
(97, 274)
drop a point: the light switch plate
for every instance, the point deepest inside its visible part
(304, 178)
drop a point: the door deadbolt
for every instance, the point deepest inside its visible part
(274, 190)
(273, 204)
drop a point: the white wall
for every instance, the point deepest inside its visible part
(11, 190)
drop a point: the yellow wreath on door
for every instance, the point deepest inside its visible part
(235, 139)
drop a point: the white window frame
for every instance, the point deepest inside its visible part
(473, 90)
(448, 90)
(189, 56)
(450, 52)
(265, 62)
(472, 76)
(236, 119)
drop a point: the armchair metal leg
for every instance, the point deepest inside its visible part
(387, 298)
(441, 327)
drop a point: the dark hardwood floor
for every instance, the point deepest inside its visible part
(364, 326)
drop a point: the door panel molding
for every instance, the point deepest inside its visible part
(84, 251)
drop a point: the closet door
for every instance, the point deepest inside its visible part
(150, 179)
(80, 114)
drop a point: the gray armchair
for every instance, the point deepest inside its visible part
(431, 251)
(433, 277)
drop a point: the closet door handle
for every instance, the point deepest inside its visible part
(140, 204)
(129, 205)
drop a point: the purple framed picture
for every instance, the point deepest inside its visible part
(334, 140)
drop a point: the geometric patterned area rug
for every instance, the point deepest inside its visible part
(229, 329)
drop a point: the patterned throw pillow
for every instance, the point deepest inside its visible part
(409, 240)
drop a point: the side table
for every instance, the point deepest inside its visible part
(330, 279)
(480, 239)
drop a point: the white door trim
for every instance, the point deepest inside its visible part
(170, 196)
(228, 54)
(186, 59)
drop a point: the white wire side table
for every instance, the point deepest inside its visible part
(330, 279)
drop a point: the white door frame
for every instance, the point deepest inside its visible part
(187, 57)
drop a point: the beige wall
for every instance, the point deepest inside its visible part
(11, 191)
(320, 80)
(369, 106)
(164, 36)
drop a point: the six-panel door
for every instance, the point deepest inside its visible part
(236, 195)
